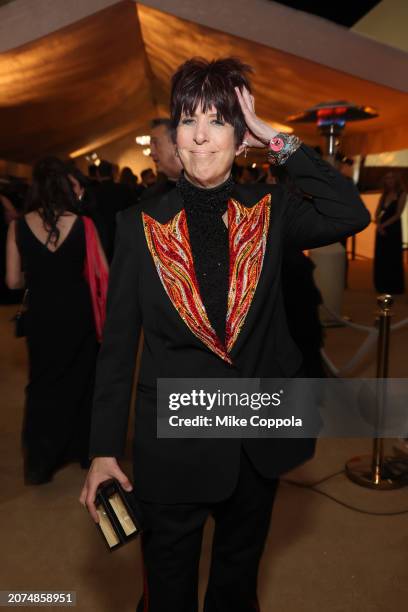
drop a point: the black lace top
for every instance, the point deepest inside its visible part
(209, 244)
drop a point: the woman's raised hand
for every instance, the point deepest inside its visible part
(102, 468)
(258, 133)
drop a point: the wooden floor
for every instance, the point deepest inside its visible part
(320, 556)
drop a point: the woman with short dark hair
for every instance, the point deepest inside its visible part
(199, 270)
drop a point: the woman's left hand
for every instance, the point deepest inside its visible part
(258, 133)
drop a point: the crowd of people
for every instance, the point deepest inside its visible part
(50, 245)
(43, 218)
(100, 197)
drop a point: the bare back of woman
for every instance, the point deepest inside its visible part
(64, 224)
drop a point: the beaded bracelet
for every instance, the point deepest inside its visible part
(281, 147)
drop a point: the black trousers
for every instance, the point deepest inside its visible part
(171, 548)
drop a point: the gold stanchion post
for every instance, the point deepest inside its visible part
(377, 471)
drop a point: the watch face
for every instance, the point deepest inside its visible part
(276, 144)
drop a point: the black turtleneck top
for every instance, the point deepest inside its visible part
(209, 244)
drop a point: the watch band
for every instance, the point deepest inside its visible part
(281, 147)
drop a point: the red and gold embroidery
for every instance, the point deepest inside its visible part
(170, 248)
(248, 230)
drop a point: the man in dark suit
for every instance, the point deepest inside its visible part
(164, 155)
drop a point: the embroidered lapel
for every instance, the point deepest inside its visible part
(248, 230)
(170, 248)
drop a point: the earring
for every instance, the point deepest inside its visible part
(245, 143)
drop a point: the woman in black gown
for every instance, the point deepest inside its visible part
(48, 245)
(388, 264)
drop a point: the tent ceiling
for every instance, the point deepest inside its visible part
(283, 83)
(83, 84)
(106, 75)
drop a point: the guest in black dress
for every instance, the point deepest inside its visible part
(388, 264)
(48, 245)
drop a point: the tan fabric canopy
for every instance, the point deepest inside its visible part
(79, 87)
(105, 76)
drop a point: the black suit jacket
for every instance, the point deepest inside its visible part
(145, 290)
(110, 198)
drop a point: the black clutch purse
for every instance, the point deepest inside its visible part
(120, 517)
(19, 320)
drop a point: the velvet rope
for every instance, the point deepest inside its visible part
(366, 346)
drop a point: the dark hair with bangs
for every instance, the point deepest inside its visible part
(200, 82)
